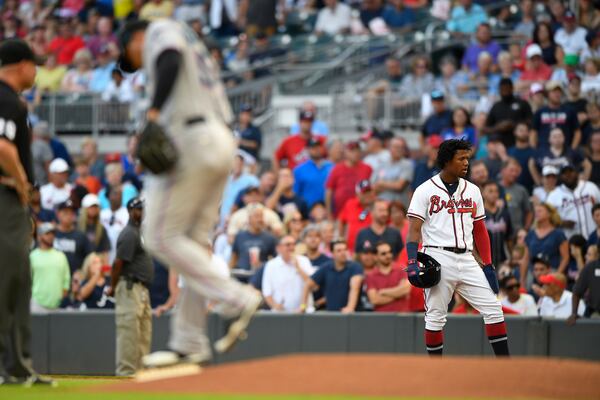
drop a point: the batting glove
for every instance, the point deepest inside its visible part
(490, 275)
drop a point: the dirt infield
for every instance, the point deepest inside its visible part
(389, 375)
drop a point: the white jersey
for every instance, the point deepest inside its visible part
(198, 91)
(576, 205)
(447, 220)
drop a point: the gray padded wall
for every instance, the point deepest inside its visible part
(84, 343)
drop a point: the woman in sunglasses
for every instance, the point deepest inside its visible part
(512, 298)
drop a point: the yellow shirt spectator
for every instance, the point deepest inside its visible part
(50, 79)
(156, 9)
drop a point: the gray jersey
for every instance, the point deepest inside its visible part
(198, 91)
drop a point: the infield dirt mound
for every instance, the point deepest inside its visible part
(389, 375)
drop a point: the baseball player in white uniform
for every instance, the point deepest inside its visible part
(446, 214)
(189, 147)
(574, 200)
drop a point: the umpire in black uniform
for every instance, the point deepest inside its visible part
(17, 73)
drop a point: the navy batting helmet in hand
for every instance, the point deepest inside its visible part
(430, 272)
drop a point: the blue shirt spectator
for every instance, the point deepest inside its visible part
(465, 18)
(548, 245)
(59, 150)
(318, 128)
(129, 192)
(237, 181)
(335, 284)
(397, 16)
(310, 178)
(101, 77)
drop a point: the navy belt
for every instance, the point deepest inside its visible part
(456, 250)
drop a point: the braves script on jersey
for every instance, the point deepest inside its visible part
(447, 220)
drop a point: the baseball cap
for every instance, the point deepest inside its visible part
(536, 88)
(112, 157)
(307, 115)
(567, 167)
(125, 35)
(533, 50)
(245, 108)
(353, 145)
(573, 76)
(571, 60)
(58, 165)
(313, 141)
(90, 200)
(366, 247)
(541, 258)
(372, 134)
(136, 202)
(551, 85)
(435, 141)
(437, 95)
(13, 51)
(68, 204)
(45, 227)
(569, 16)
(505, 82)
(549, 170)
(363, 186)
(557, 279)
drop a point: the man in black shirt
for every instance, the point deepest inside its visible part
(69, 240)
(132, 275)
(379, 231)
(507, 113)
(17, 73)
(588, 281)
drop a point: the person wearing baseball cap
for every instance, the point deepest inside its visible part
(571, 37)
(376, 153)
(356, 213)
(344, 176)
(58, 189)
(292, 151)
(89, 223)
(555, 114)
(557, 300)
(249, 135)
(131, 276)
(318, 127)
(426, 168)
(439, 120)
(310, 177)
(536, 70)
(549, 183)
(70, 240)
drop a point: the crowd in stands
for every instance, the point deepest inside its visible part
(324, 227)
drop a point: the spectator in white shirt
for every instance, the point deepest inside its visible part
(58, 189)
(571, 37)
(119, 88)
(523, 303)
(114, 218)
(557, 301)
(284, 278)
(334, 18)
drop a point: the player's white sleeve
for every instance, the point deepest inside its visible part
(418, 204)
(478, 207)
(554, 198)
(163, 35)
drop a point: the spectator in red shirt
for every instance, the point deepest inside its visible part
(66, 44)
(343, 178)
(388, 288)
(536, 69)
(356, 214)
(292, 151)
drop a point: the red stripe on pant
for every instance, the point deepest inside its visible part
(493, 330)
(434, 338)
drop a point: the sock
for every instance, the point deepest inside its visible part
(434, 341)
(496, 334)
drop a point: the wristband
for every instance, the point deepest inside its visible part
(303, 306)
(411, 251)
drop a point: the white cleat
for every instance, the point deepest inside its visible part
(237, 329)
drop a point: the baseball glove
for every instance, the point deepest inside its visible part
(156, 150)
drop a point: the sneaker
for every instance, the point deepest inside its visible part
(161, 359)
(237, 329)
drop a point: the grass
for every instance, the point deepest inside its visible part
(71, 389)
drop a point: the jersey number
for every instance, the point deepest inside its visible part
(8, 129)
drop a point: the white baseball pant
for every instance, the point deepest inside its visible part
(460, 273)
(182, 208)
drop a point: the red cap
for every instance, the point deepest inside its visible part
(112, 157)
(435, 140)
(353, 145)
(554, 279)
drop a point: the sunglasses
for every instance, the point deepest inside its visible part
(511, 287)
